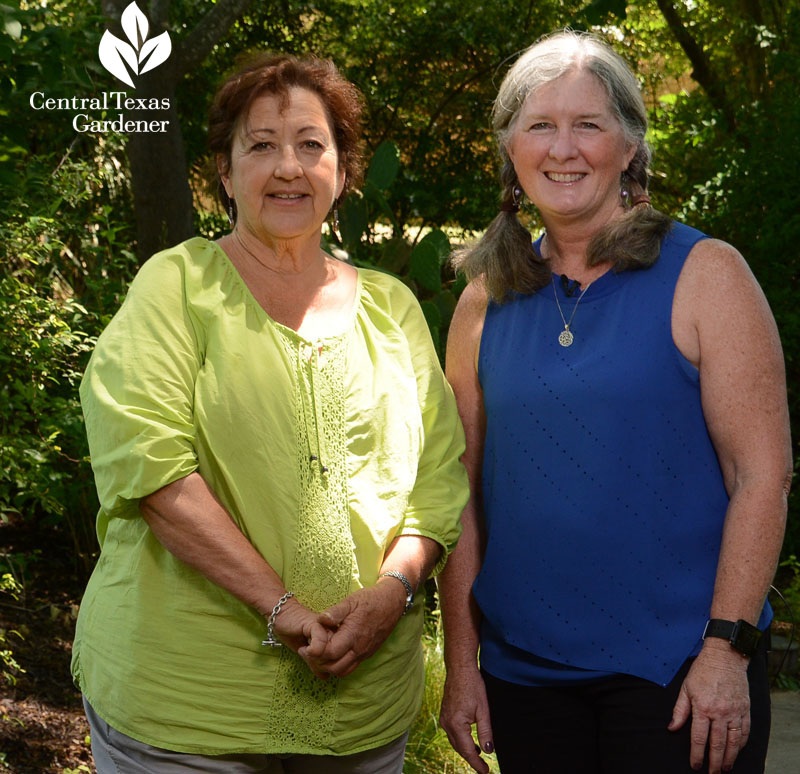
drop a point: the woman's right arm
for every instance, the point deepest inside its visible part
(191, 523)
(464, 703)
(138, 402)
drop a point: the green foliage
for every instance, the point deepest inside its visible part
(63, 253)
(65, 242)
(9, 668)
(43, 47)
(598, 11)
(789, 583)
(785, 682)
(427, 258)
(42, 449)
(370, 235)
(786, 606)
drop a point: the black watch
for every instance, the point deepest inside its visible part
(743, 636)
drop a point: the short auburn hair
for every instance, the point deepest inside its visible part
(268, 73)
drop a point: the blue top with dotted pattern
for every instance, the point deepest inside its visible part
(602, 493)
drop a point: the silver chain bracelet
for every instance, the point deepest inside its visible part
(402, 578)
(271, 641)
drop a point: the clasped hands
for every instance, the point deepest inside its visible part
(337, 640)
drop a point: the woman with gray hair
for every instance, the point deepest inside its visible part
(622, 388)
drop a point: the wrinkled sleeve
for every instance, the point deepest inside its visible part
(441, 489)
(137, 392)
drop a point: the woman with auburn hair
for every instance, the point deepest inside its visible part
(276, 452)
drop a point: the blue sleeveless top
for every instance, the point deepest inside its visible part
(602, 493)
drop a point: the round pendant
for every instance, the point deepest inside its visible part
(565, 338)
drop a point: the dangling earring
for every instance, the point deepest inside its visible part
(334, 213)
(231, 213)
(516, 200)
(624, 190)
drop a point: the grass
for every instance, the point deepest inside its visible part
(428, 750)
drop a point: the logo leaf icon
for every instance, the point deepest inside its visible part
(145, 54)
(112, 51)
(161, 48)
(135, 25)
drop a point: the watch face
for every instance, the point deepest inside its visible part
(745, 638)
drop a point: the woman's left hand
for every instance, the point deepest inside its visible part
(716, 695)
(362, 622)
(301, 630)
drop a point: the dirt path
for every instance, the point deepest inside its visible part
(42, 727)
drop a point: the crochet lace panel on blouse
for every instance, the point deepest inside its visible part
(303, 707)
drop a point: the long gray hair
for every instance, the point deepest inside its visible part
(504, 256)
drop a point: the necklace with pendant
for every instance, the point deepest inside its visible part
(565, 338)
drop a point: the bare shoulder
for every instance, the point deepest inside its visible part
(723, 324)
(474, 296)
(461, 368)
(466, 327)
(471, 308)
(718, 300)
(712, 264)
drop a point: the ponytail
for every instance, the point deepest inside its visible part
(504, 257)
(634, 240)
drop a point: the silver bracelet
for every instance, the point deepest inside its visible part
(402, 578)
(271, 641)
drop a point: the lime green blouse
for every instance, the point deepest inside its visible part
(322, 453)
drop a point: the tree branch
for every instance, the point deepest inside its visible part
(112, 9)
(455, 91)
(752, 53)
(159, 13)
(701, 65)
(198, 44)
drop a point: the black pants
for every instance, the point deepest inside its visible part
(612, 726)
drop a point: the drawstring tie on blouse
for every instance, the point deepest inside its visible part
(312, 413)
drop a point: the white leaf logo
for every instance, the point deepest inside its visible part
(135, 25)
(158, 49)
(112, 51)
(141, 55)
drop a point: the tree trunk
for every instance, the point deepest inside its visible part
(161, 194)
(162, 197)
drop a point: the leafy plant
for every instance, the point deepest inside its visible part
(788, 582)
(43, 457)
(61, 243)
(371, 236)
(9, 668)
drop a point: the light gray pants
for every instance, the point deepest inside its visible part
(116, 753)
